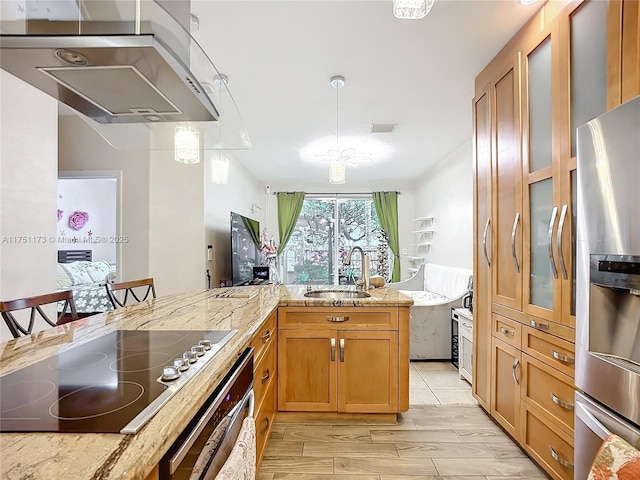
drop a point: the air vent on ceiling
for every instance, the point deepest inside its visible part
(382, 127)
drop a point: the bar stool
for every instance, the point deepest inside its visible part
(128, 288)
(34, 303)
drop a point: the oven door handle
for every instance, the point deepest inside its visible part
(590, 421)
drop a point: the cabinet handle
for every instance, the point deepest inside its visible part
(559, 459)
(342, 349)
(484, 242)
(516, 362)
(264, 429)
(266, 336)
(266, 375)
(506, 332)
(467, 326)
(337, 319)
(563, 215)
(562, 358)
(552, 260)
(333, 349)
(539, 325)
(561, 403)
(513, 241)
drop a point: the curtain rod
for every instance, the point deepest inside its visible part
(335, 193)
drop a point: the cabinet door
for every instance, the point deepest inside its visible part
(482, 247)
(307, 370)
(368, 372)
(623, 51)
(506, 188)
(505, 386)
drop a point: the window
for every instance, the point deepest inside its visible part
(327, 228)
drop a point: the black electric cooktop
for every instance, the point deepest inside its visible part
(111, 384)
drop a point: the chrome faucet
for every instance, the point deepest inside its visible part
(366, 265)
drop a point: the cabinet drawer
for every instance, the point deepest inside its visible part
(547, 444)
(549, 390)
(354, 318)
(264, 420)
(551, 350)
(265, 336)
(506, 330)
(264, 372)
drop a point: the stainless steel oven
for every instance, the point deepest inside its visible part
(608, 282)
(201, 450)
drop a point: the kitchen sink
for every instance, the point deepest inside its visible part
(337, 294)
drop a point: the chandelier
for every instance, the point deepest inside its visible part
(186, 144)
(220, 161)
(412, 9)
(336, 158)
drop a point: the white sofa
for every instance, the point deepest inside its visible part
(435, 289)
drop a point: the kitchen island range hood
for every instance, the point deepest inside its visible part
(110, 79)
(120, 62)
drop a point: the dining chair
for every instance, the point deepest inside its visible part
(128, 288)
(34, 303)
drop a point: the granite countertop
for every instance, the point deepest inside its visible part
(108, 455)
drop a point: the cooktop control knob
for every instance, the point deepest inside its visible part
(170, 373)
(205, 343)
(198, 350)
(181, 364)
(190, 357)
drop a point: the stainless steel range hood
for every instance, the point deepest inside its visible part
(110, 78)
(115, 61)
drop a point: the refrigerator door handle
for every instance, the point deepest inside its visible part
(590, 421)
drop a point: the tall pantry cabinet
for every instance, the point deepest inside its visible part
(571, 62)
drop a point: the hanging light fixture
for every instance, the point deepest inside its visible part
(412, 9)
(186, 144)
(220, 168)
(220, 162)
(339, 159)
(337, 171)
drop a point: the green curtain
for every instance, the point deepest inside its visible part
(386, 204)
(254, 229)
(289, 208)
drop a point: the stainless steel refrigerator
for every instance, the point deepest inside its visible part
(607, 283)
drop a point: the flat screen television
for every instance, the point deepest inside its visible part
(245, 238)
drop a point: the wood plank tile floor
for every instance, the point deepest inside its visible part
(444, 435)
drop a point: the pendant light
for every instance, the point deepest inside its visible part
(412, 9)
(220, 161)
(186, 144)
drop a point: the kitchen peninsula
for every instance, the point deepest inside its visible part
(107, 455)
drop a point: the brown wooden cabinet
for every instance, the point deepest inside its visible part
(505, 386)
(568, 64)
(354, 365)
(265, 374)
(481, 260)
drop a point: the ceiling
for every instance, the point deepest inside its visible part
(418, 74)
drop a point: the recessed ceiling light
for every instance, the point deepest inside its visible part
(528, 2)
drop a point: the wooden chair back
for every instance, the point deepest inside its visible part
(35, 303)
(128, 289)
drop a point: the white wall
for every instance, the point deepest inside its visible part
(81, 148)
(97, 197)
(176, 224)
(238, 196)
(445, 192)
(28, 174)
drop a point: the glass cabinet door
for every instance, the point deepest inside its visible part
(541, 274)
(540, 181)
(588, 64)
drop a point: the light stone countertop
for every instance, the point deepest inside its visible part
(72, 456)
